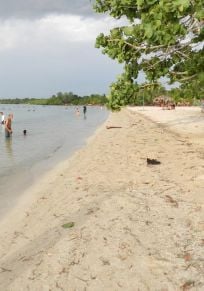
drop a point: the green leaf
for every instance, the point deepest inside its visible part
(140, 3)
(180, 8)
(128, 30)
(68, 225)
(158, 23)
(148, 31)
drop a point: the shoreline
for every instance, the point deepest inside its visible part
(28, 174)
(134, 224)
(47, 172)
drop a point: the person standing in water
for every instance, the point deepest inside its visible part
(84, 110)
(8, 123)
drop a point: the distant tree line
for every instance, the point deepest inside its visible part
(60, 99)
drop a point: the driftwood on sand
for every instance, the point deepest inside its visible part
(109, 127)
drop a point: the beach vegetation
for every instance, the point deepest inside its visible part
(161, 39)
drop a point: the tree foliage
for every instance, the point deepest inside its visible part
(162, 38)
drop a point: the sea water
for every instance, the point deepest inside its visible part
(53, 134)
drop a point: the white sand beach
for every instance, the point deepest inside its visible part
(136, 226)
(187, 121)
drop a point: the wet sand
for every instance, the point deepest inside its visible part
(136, 226)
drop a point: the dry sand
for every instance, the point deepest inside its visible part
(137, 227)
(188, 121)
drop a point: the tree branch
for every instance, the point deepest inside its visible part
(187, 78)
(149, 85)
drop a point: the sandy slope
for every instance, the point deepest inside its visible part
(137, 227)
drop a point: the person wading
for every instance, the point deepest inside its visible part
(8, 123)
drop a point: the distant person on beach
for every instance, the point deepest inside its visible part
(2, 118)
(8, 123)
(84, 110)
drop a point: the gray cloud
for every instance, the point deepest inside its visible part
(39, 8)
(27, 74)
(47, 46)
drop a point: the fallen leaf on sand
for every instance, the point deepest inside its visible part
(109, 127)
(68, 225)
(171, 200)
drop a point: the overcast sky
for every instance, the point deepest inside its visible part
(47, 46)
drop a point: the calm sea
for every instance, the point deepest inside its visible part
(53, 134)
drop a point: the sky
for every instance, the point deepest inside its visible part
(47, 46)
